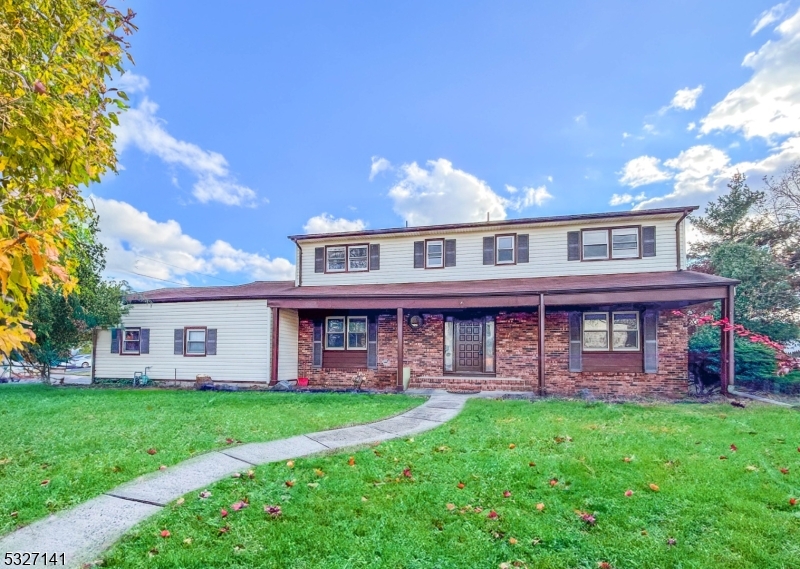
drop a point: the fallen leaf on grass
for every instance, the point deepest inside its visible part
(628, 493)
(223, 529)
(460, 485)
(162, 467)
(188, 541)
(604, 565)
(116, 469)
(151, 451)
(236, 475)
(512, 541)
(223, 513)
(540, 506)
(654, 487)
(241, 504)
(553, 482)
(407, 472)
(626, 459)
(364, 499)
(792, 501)
(492, 515)
(672, 541)
(205, 494)
(44, 483)
(289, 483)
(14, 514)
(451, 506)
(165, 533)
(251, 474)
(531, 464)
(723, 457)
(351, 461)
(506, 494)
(319, 472)
(734, 448)
(273, 511)
(180, 501)
(751, 468)
(512, 446)
(586, 517)
(313, 484)
(784, 471)
(738, 404)
(290, 464)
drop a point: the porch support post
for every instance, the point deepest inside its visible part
(541, 344)
(400, 349)
(273, 376)
(729, 335)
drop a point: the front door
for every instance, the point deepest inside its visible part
(469, 345)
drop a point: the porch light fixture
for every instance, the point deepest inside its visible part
(415, 321)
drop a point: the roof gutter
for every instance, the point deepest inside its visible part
(678, 238)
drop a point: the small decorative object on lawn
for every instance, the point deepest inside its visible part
(165, 533)
(654, 487)
(274, 511)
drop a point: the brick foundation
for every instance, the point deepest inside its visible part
(517, 359)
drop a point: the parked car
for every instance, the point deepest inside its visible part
(80, 360)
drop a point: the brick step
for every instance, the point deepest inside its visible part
(471, 383)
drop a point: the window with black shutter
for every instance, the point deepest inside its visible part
(573, 246)
(649, 241)
(374, 256)
(419, 254)
(449, 252)
(178, 342)
(488, 250)
(575, 343)
(316, 352)
(523, 255)
(319, 260)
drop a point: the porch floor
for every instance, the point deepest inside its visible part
(482, 382)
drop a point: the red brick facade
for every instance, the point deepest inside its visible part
(516, 356)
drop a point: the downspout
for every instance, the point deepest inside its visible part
(299, 267)
(678, 240)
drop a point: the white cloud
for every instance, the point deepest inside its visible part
(622, 199)
(626, 135)
(768, 104)
(580, 119)
(131, 83)
(768, 17)
(326, 223)
(550, 178)
(684, 99)
(642, 171)
(691, 126)
(443, 194)
(140, 127)
(147, 252)
(378, 165)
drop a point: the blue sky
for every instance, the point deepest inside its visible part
(261, 120)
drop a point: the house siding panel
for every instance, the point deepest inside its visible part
(547, 247)
(243, 342)
(287, 343)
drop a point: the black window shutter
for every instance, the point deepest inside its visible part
(419, 254)
(575, 344)
(372, 343)
(573, 246)
(178, 342)
(522, 248)
(316, 353)
(649, 241)
(144, 341)
(115, 336)
(319, 260)
(650, 326)
(211, 342)
(449, 252)
(488, 250)
(374, 256)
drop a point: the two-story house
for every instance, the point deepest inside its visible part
(553, 305)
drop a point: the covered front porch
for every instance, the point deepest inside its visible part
(549, 336)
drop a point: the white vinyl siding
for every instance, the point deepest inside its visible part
(243, 342)
(547, 246)
(288, 326)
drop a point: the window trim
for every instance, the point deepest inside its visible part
(122, 351)
(186, 330)
(347, 258)
(610, 242)
(610, 339)
(347, 333)
(513, 249)
(441, 240)
(325, 334)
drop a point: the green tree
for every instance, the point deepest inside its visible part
(56, 116)
(63, 321)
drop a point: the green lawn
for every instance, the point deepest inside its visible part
(731, 512)
(87, 441)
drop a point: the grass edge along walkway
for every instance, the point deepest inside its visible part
(85, 531)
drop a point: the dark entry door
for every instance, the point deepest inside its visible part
(469, 345)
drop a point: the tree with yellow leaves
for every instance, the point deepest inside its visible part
(56, 115)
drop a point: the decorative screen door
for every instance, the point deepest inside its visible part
(469, 345)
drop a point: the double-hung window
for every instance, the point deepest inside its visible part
(195, 341)
(595, 244)
(358, 258)
(505, 249)
(346, 333)
(336, 261)
(434, 254)
(131, 341)
(614, 331)
(625, 243)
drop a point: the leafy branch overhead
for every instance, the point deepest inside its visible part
(56, 116)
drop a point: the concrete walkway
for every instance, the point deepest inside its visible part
(87, 530)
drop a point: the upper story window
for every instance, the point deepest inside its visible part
(615, 331)
(346, 333)
(131, 341)
(344, 258)
(505, 249)
(617, 243)
(434, 254)
(195, 341)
